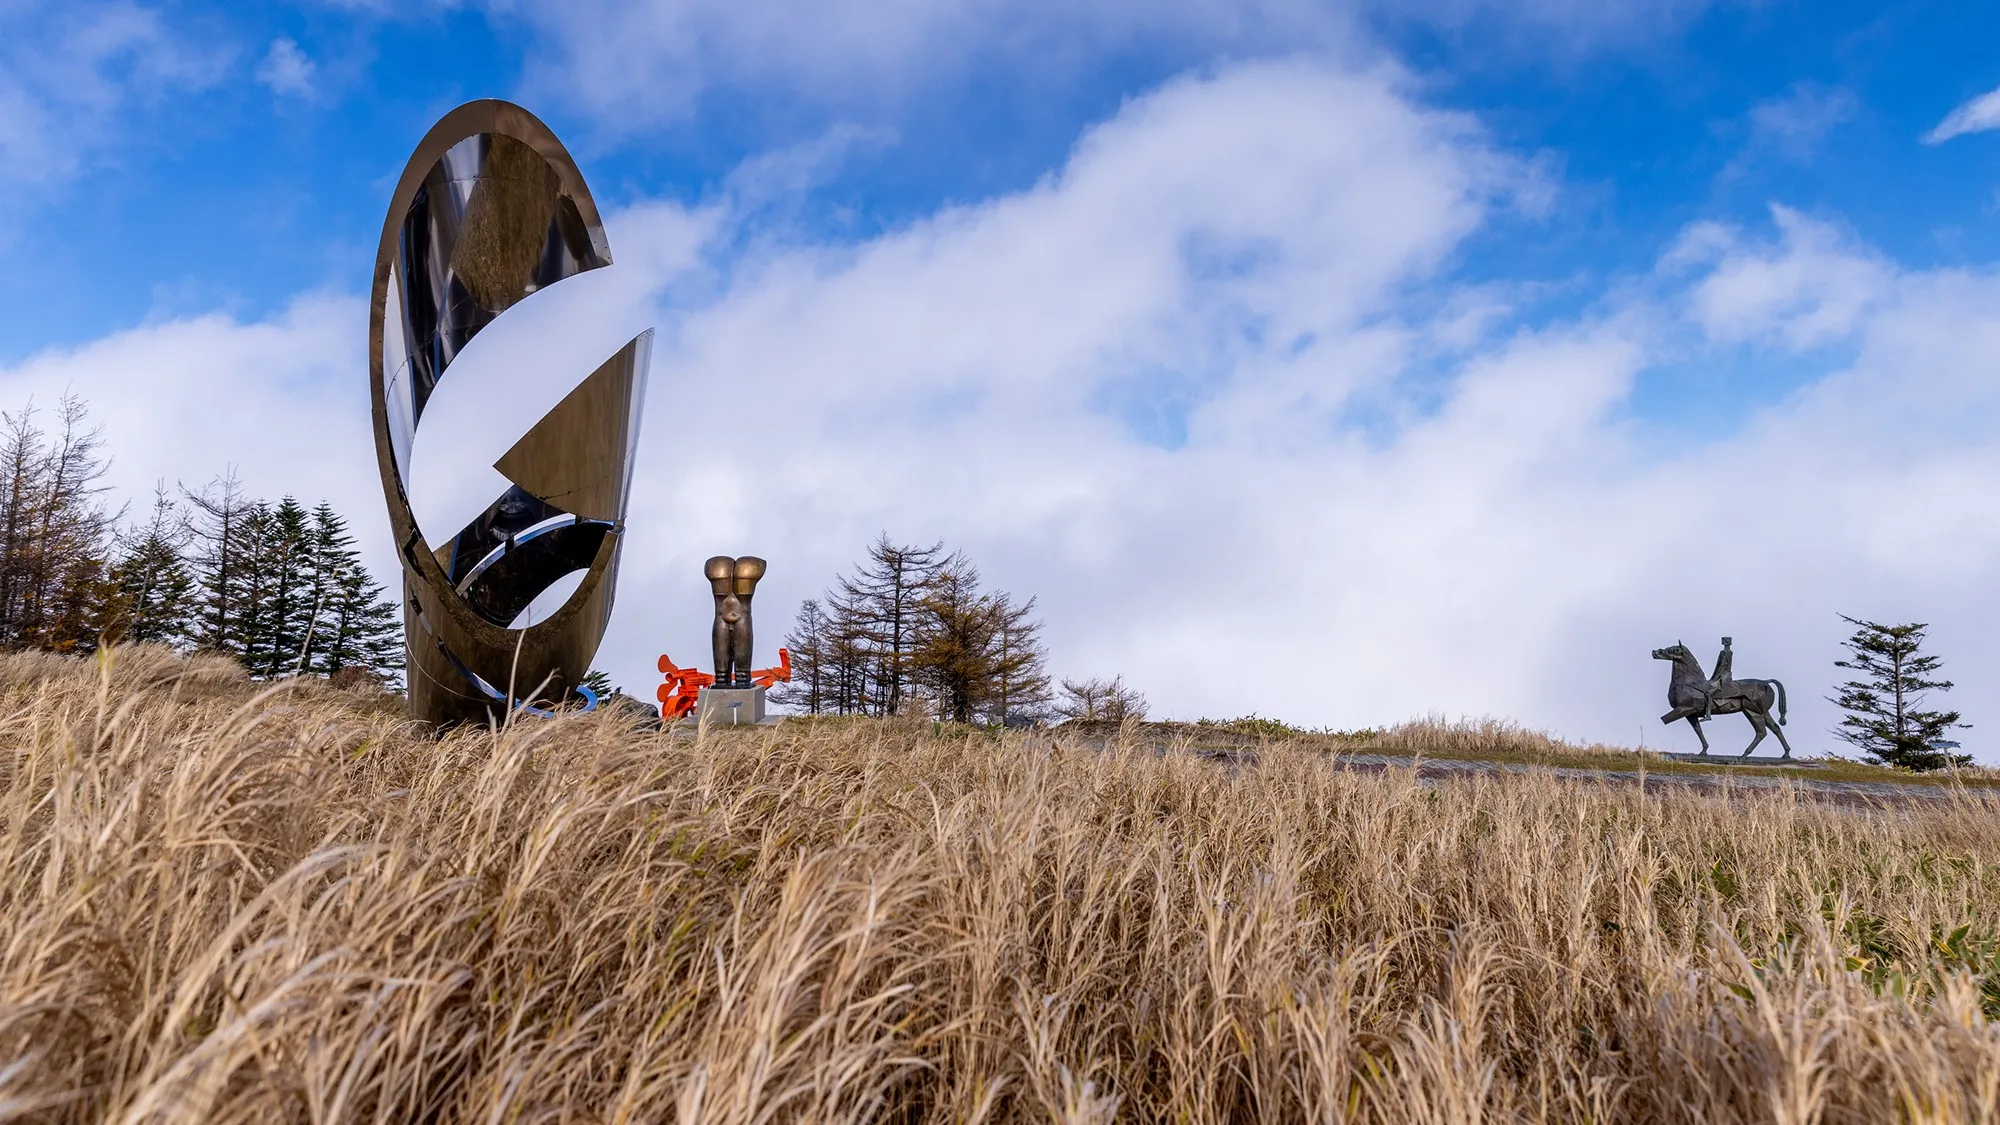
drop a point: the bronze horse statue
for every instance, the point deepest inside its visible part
(1695, 697)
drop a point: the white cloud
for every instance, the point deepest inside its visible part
(1975, 116)
(70, 71)
(1794, 124)
(651, 60)
(636, 62)
(783, 177)
(1167, 392)
(286, 69)
(1808, 289)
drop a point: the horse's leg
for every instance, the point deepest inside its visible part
(1757, 723)
(1695, 722)
(1780, 732)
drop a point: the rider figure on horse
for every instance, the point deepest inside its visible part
(1721, 685)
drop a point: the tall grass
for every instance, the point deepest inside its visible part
(224, 905)
(1482, 738)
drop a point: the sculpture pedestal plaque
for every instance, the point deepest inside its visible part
(727, 707)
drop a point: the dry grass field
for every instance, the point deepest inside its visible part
(220, 904)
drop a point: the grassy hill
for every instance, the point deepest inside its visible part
(1503, 743)
(225, 904)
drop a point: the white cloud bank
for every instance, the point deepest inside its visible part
(1174, 392)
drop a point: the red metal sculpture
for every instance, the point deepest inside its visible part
(677, 696)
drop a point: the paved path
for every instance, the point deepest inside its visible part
(1430, 771)
(1839, 792)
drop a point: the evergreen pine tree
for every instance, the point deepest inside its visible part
(330, 555)
(151, 594)
(286, 616)
(367, 629)
(354, 624)
(254, 632)
(226, 541)
(1884, 719)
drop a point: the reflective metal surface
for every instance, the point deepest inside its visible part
(489, 210)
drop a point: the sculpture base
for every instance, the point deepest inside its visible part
(732, 707)
(1739, 760)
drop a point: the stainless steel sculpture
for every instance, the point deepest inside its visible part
(733, 582)
(1697, 697)
(490, 211)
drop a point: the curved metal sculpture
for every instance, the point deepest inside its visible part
(489, 212)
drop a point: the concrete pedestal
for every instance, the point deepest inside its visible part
(731, 707)
(1738, 760)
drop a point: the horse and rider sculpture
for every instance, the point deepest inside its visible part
(1698, 697)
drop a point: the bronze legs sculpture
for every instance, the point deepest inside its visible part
(733, 581)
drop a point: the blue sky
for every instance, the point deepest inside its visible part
(1500, 323)
(224, 179)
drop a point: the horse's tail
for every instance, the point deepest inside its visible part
(1781, 701)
